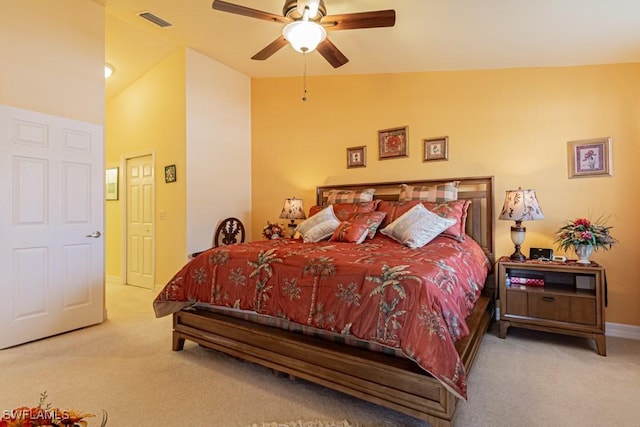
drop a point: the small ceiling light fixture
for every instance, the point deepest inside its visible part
(304, 35)
(108, 70)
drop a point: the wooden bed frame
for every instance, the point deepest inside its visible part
(389, 381)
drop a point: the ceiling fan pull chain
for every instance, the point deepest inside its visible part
(304, 77)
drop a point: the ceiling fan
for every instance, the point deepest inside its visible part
(307, 24)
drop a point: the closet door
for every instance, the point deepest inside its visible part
(140, 214)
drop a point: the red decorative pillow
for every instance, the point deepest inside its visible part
(455, 209)
(372, 219)
(350, 232)
(344, 211)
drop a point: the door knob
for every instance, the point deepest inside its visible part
(95, 234)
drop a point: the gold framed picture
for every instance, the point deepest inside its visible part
(590, 157)
(393, 143)
(170, 173)
(436, 149)
(357, 157)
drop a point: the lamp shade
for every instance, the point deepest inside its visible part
(521, 205)
(304, 36)
(292, 209)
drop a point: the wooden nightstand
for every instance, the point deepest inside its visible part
(571, 301)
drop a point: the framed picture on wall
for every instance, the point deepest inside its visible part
(590, 157)
(393, 143)
(111, 184)
(436, 149)
(357, 157)
(170, 173)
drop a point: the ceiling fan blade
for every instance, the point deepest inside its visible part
(352, 21)
(271, 48)
(332, 54)
(224, 6)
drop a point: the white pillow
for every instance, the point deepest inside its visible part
(417, 227)
(319, 227)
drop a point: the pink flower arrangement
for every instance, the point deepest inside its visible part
(271, 231)
(581, 231)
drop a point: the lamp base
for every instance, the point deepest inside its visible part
(291, 229)
(518, 233)
(517, 255)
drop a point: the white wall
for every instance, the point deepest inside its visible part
(218, 148)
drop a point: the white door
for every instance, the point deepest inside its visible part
(139, 189)
(51, 250)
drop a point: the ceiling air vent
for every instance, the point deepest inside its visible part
(155, 19)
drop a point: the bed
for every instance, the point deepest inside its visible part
(392, 325)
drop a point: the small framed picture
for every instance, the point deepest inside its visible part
(357, 157)
(111, 184)
(436, 149)
(170, 173)
(393, 142)
(590, 157)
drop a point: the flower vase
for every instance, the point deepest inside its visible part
(583, 252)
(275, 236)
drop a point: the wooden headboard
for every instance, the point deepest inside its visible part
(479, 190)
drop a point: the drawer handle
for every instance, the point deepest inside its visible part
(548, 299)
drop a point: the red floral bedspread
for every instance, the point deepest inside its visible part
(412, 299)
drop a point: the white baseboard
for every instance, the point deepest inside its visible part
(621, 330)
(111, 279)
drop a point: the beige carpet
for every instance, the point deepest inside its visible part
(301, 423)
(126, 367)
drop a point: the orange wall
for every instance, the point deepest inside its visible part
(513, 124)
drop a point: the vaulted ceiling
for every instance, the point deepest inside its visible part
(429, 35)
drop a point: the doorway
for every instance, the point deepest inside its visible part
(139, 221)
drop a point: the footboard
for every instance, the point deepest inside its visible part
(389, 381)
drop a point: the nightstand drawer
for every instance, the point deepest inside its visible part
(552, 307)
(517, 303)
(583, 310)
(562, 308)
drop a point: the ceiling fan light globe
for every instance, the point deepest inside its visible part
(304, 36)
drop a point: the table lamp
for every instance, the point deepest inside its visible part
(292, 210)
(520, 205)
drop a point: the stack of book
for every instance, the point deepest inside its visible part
(527, 281)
